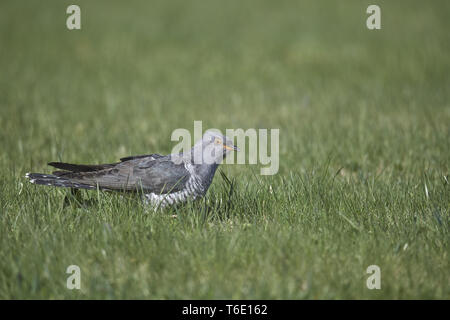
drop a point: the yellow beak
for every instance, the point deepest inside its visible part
(233, 148)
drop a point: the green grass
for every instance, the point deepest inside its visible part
(364, 132)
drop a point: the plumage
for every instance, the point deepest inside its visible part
(164, 180)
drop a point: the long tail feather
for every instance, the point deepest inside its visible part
(55, 181)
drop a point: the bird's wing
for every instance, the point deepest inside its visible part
(97, 167)
(146, 173)
(149, 156)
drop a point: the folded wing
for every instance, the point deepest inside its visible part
(149, 173)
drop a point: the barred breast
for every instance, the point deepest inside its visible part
(193, 189)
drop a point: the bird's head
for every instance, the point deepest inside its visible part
(213, 147)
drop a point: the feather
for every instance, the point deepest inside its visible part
(153, 155)
(80, 167)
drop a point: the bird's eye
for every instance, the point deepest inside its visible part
(217, 141)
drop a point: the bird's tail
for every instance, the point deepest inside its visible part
(55, 181)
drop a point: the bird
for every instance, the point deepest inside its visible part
(163, 180)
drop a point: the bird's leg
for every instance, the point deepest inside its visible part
(75, 194)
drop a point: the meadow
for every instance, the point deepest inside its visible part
(364, 148)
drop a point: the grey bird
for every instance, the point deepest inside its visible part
(163, 180)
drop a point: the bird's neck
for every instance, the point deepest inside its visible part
(206, 173)
(205, 169)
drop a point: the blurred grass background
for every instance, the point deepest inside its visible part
(364, 147)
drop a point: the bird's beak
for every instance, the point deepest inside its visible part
(232, 148)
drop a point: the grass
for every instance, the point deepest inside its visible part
(364, 148)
